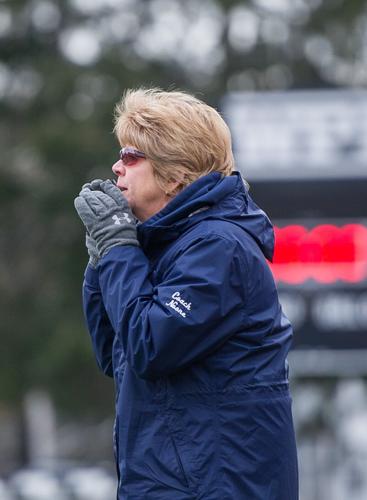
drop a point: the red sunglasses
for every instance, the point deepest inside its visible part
(129, 156)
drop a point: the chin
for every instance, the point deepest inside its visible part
(136, 213)
(141, 216)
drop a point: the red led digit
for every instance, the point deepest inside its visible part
(325, 253)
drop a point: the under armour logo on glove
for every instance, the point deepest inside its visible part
(125, 217)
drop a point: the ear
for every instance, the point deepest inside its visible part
(173, 187)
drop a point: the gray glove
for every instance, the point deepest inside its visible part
(89, 241)
(92, 250)
(94, 185)
(106, 216)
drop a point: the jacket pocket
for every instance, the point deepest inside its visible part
(192, 458)
(179, 463)
(150, 453)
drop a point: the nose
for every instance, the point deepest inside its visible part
(118, 168)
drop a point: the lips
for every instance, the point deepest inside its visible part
(124, 191)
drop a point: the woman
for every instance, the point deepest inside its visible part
(183, 311)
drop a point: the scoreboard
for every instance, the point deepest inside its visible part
(304, 154)
(320, 259)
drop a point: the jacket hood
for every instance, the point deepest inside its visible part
(212, 196)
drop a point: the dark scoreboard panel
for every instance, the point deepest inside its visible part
(320, 261)
(304, 153)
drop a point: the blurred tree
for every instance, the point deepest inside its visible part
(63, 66)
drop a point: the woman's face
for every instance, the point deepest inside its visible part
(140, 188)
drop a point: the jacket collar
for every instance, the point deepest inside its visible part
(212, 196)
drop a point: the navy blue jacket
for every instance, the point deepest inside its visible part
(190, 327)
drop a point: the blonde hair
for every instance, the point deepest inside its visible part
(183, 137)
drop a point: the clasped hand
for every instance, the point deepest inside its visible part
(106, 216)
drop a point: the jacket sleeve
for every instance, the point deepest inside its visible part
(98, 323)
(197, 305)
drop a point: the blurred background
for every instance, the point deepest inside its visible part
(289, 78)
